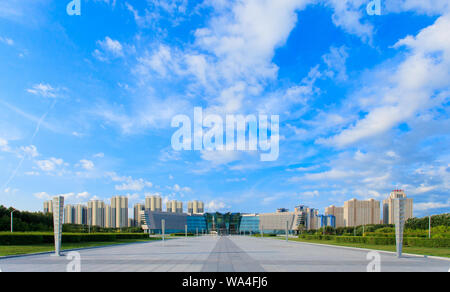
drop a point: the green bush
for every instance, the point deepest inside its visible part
(182, 234)
(40, 238)
(424, 242)
(408, 241)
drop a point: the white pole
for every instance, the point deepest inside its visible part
(287, 232)
(429, 226)
(12, 214)
(163, 227)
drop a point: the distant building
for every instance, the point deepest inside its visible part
(96, 213)
(357, 213)
(119, 212)
(153, 204)
(48, 207)
(69, 214)
(282, 210)
(108, 217)
(338, 213)
(326, 221)
(137, 214)
(388, 209)
(174, 207)
(81, 214)
(196, 207)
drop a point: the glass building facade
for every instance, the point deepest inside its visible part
(223, 223)
(196, 224)
(250, 224)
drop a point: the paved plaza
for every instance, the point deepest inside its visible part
(222, 254)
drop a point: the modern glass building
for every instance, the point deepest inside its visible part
(233, 223)
(196, 223)
(228, 223)
(250, 224)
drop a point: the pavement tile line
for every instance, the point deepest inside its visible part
(367, 249)
(228, 257)
(223, 254)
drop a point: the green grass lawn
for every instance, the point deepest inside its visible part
(6, 250)
(430, 251)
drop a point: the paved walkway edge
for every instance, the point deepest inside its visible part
(75, 249)
(366, 249)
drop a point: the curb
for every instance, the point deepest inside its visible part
(366, 249)
(76, 249)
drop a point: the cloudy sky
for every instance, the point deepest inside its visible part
(86, 102)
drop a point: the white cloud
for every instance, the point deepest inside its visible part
(430, 206)
(129, 184)
(86, 164)
(4, 145)
(215, 205)
(30, 151)
(50, 164)
(336, 62)
(220, 157)
(44, 90)
(348, 14)
(410, 88)
(42, 196)
(177, 188)
(310, 194)
(7, 41)
(109, 48)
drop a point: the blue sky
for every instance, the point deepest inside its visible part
(86, 102)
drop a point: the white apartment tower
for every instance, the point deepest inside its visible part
(388, 209)
(96, 213)
(357, 213)
(119, 212)
(153, 203)
(196, 207)
(338, 213)
(48, 207)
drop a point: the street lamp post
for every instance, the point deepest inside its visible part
(429, 226)
(12, 214)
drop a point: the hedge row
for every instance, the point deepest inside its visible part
(39, 238)
(407, 241)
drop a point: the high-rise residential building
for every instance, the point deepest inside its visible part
(96, 213)
(119, 212)
(69, 214)
(326, 221)
(153, 203)
(388, 209)
(174, 207)
(108, 222)
(81, 214)
(338, 213)
(357, 213)
(196, 207)
(311, 218)
(48, 207)
(137, 214)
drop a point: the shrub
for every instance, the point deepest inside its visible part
(40, 238)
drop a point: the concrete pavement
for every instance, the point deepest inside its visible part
(222, 254)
